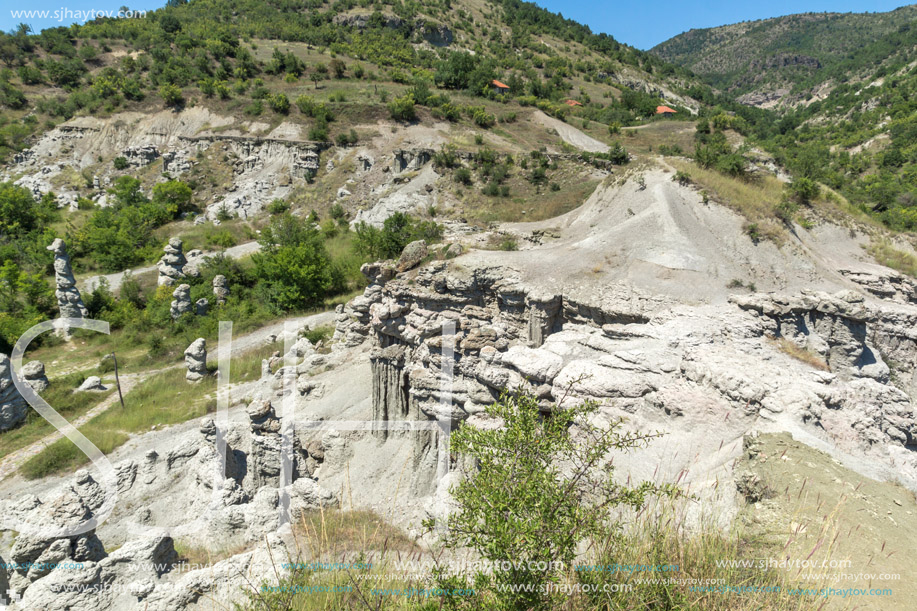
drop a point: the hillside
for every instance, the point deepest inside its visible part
(794, 59)
(842, 86)
(487, 310)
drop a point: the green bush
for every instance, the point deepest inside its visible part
(402, 109)
(294, 269)
(397, 232)
(279, 103)
(171, 95)
(542, 488)
(278, 206)
(120, 163)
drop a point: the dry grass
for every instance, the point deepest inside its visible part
(801, 354)
(646, 139)
(754, 199)
(889, 256)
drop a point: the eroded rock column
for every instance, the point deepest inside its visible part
(68, 296)
(196, 360)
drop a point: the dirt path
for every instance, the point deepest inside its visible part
(570, 134)
(11, 462)
(114, 280)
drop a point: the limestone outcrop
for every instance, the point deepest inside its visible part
(33, 373)
(633, 353)
(196, 360)
(92, 384)
(68, 296)
(13, 407)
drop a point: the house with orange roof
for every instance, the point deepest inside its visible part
(573, 103)
(498, 87)
(665, 111)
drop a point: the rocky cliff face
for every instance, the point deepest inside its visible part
(639, 356)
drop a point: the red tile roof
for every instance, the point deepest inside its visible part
(499, 84)
(662, 109)
(573, 103)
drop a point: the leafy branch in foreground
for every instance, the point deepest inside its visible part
(541, 486)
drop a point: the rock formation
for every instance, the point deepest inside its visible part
(412, 255)
(33, 373)
(196, 360)
(220, 289)
(172, 264)
(13, 407)
(201, 307)
(92, 383)
(631, 352)
(182, 302)
(68, 296)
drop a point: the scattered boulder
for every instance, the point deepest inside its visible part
(455, 249)
(68, 296)
(220, 289)
(196, 360)
(92, 384)
(412, 255)
(201, 306)
(182, 303)
(33, 373)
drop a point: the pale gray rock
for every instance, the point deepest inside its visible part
(92, 383)
(201, 307)
(412, 255)
(172, 264)
(196, 360)
(220, 289)
(182, 302)
(33, 373)
(68, 296)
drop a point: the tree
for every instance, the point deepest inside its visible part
(175, 195)
(294, 269)
(18, 211)
(541, 486)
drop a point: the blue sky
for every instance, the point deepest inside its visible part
(641, 24)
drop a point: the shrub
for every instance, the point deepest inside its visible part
(171, 95)
(120, 163)
(482, 118)
(278, 206)
(279, 103)
(463, 176)
(543, 487)
(402, 109)
(803, 189)
(294, 269)
(682, 178)
(617, 154)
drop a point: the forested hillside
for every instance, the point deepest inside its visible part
(788, 60)
(843, 86)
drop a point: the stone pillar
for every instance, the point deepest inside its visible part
(172, 264)
(391, 399)
(182, 302)
(220, 289)
(68, 296)
(196, 360)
